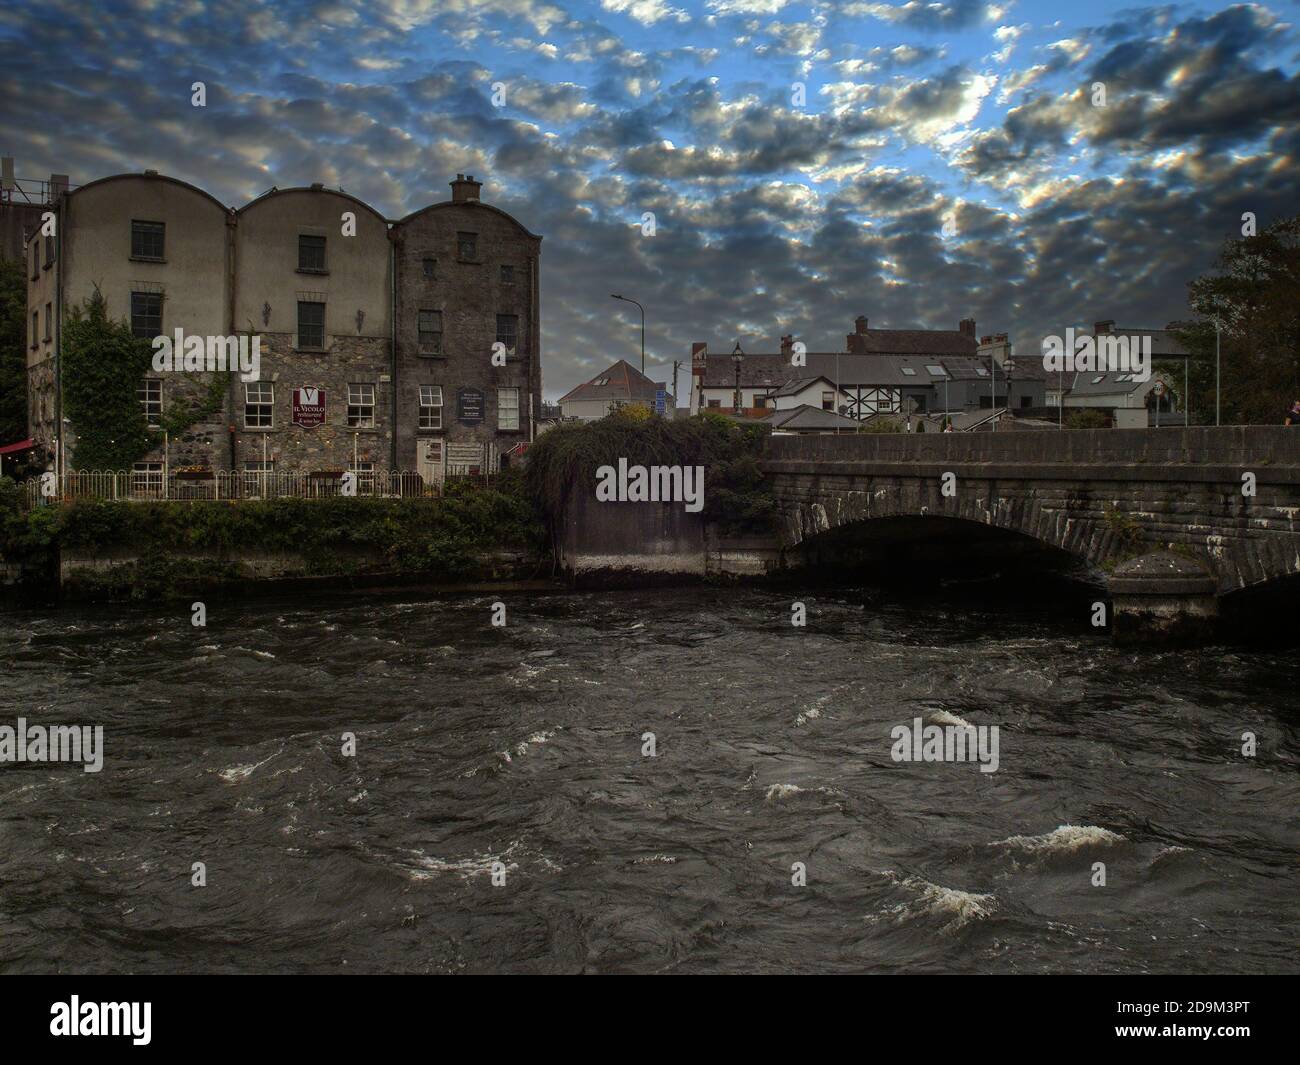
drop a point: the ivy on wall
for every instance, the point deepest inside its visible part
(103, 363)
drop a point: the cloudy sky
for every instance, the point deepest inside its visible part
(800, 159)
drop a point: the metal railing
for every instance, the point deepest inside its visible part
(144, 485)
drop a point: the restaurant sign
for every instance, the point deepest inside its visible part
(309, 407)
(469, 405)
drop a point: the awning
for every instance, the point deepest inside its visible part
(22, 445)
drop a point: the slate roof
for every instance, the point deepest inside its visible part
(916, 342)
(805, 417)
(622, 381)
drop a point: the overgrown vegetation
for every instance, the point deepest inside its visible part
(103, 362)
(736, 496)
(447, 538)
(13, 355)
(1087, 418)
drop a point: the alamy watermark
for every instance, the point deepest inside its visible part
(214, 354)
(946, 743)
(1103, 353)
(653, 484)
(57, 743)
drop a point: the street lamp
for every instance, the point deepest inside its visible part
(1216, 369)
(616, 296)
(737, 358)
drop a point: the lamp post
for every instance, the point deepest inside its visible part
(1216, 369)
(616, 296)
(736, 358)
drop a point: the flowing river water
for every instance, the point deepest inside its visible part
(523, 745)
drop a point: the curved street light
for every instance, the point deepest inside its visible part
(625, 299)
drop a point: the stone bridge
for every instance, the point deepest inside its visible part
(1177, 517)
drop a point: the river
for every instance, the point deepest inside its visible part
(519, 749)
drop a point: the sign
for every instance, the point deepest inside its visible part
(661, 400)
(1159, 389)
(469, 405)
(308, 407)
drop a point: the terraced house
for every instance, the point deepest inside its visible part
(384, 345)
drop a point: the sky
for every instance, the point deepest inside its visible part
(745, 169)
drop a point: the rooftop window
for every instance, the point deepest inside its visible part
(936, 371)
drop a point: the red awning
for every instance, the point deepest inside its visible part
(22, 445)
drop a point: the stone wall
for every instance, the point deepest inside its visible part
(1102, 495)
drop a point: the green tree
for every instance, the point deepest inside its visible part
(1252, 295)
(103, 362)
(13, 353)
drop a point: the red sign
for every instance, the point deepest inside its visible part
(309, 407)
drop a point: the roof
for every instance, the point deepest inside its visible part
(916, 342)
(1163, 343)
(622, 381)
(806, 417)
(775, 371)
(797, 384)
(442, 205)
(1107, 384)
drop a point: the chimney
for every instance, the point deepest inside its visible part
(985, 340)
(464, 189)
(1103, 327)
(698, 352)
(860, 323)
(967, 327)
(787, 346)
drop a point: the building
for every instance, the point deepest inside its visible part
(1130, 402)
(468, 373)
(619, 386)
(409, 345)
(882, 371)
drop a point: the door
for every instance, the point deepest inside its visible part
(429, 461)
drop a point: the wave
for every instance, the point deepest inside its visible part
(953, 907)
(1064, 839)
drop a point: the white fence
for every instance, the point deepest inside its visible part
(143, 485)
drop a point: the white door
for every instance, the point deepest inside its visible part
(429, 461)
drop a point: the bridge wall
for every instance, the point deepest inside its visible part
(1102, 495)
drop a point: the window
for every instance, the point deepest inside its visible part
(49, 251)
(981, 371)
(431, 406)
(258, 477)
(919, 401)
(507, 408)
(508, 331)
(311, 325)
(986, 402)
(311, 253)
(49, 321)
(507, 275)
(259, 405)
(936, 371)
(146, 314)
(908, 371)
(467, 246)
(147, 240)
(828, 401)
(150, 396)
(1026, 401)
(361, 406)
(147, 479)
(430, 325)
(715, 403)
(36, 328)
(431, 269)
(36, 259)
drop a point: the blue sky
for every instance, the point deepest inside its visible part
(772, 216)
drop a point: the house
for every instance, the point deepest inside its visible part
(378, 339)
(806, 418)
(619, 386)
(1113, 391)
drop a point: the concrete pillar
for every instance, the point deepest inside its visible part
(1162, 598)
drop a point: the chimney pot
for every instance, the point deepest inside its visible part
(860, 323)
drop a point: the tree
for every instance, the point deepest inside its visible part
(1253, 296)
(13, 353)
(103, 362)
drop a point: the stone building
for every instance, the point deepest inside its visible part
(466, 281)
(376, 338)
(156, 248)
(313, 278)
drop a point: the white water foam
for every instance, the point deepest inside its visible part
(1062, 840)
